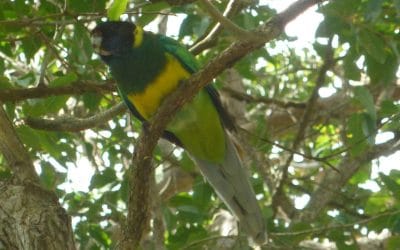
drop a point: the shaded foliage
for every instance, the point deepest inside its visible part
(355, 55)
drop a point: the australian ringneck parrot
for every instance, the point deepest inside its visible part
(147, 67)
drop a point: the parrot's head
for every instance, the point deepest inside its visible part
(113, 38)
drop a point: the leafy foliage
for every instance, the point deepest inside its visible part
(46, 45)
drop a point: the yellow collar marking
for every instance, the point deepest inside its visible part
(138, 34)
(148, 101)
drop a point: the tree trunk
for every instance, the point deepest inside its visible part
(32, 218)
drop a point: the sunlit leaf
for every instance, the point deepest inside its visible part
(392, 185)
(116, 9)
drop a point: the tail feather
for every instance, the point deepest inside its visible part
(232, 185)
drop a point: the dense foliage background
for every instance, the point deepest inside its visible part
(316, 122)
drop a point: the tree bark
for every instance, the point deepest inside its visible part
(30, 216)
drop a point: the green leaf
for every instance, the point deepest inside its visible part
(331, 25)
(389, 221)
(376, 203)
(5, 83)
(388, 108)
(91, 100)
(393, 243)
(202, 193)
(79, 6)
(116, 9)
(320, 49)
(49, 177)
(64, 80)
(101, 179)
(373, 45)
(356, 136)
(194, 25)
(369, 128)
(346, 245)
(351, 71)
(295, 239)
(38, 140)
(99, 235)
(397, 6)
(26, 80)
(30, 45)
(149, 9)
(374, 9)
(38, 107)
(395, 174)
(382, 73)
(81, 47)
(364, 97)
(361, 176)
(392, 185)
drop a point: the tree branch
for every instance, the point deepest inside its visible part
(261, 99)
(14, 151)
(233, 7)
(333, 181)
(305, 120)
(76, 88)
(32, 218)
(340, 226)
(72, 124)
(228, 24)
(139, 173)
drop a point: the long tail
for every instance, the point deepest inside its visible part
(232, 185)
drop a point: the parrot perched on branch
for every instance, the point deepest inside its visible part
(147, 67)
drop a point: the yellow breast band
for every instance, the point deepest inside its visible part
(147, 102)
(138, 34)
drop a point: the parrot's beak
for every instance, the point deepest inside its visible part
(96, 42)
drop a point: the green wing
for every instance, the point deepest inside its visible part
(190, 64)
(181, 53)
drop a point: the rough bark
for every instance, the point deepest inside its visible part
(30, 216)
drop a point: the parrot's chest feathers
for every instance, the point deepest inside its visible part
(147, 101)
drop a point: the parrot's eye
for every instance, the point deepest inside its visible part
(96, 42)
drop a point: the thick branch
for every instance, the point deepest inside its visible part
(14, 151)
(139, 174)
(32, 218)
(78, 88)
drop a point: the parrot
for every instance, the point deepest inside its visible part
(147, 67)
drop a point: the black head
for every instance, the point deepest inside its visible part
(113, 38)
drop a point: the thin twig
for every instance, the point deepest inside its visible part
(260, 99)
(228, 24)
(333, 227)
(233, 7)
(21, 67)
(333, 181)
(46, 57)
(328, 62)
(323, 160)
